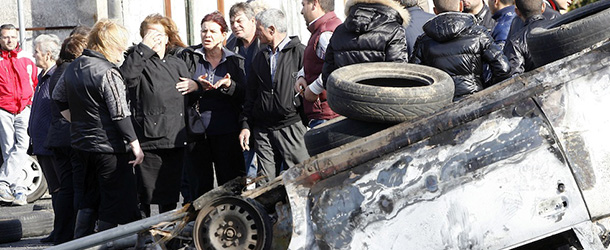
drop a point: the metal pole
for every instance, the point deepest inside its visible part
(190, 37)
(21, 23)
(121, 231)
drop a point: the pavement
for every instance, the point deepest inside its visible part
(33, 243)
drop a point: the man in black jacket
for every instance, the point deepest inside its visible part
(516, 49)
(244, 40)
(453, 42)
(271, 106)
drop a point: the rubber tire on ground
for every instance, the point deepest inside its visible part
(10, 230)
(349, 94)
(339, 131)
(570, 33)
(36, 223)
(229, 208)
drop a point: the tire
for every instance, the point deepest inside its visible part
(231, 222)
(570, 33)
(35, 181)
(37, 223)
(10, 230)
(339, 131)
(388, 92)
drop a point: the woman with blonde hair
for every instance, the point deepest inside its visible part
(151, 72)
(101, 131)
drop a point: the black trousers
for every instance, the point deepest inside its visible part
(217, 152)
(159, 178)
(63, 199)
(115, 182)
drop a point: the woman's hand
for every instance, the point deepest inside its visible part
(137, 152)
(225, 82)
(153, 39)
(186, 85)
(207, 85)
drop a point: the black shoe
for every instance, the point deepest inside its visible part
(48, 239)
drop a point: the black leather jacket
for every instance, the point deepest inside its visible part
(454, 43)
(93, 127)
(374, 31)
(516, 48)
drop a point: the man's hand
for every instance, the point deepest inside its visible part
(244, 139)
(300, 85)
(137, 152)
(186, 85)
(310, 96)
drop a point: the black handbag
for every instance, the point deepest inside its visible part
(194, 123)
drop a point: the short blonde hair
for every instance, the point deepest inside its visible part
(108, 37)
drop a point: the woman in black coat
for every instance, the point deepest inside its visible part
(219, 95)
(151, 73)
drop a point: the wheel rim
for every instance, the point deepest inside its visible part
(33, 176)
(230, 223)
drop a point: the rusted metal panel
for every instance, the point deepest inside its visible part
(578, 112)
(488, 184)
(390, 190)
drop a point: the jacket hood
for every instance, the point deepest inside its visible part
(449, 25)
(363, 17)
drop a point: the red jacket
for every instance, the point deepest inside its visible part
(18, 78)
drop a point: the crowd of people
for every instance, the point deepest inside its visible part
(118, 128)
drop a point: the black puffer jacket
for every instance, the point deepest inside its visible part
(374, 31)
(454, 43)
(516, 48)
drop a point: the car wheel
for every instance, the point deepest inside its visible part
(570, 33)
(36, 184)
(232, 223)
(388, 92)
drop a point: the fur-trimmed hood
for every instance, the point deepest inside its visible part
(404, 13)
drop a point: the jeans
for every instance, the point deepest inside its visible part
(315, 122)
(250, 159)
(14, 142)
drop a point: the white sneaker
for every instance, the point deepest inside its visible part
(5, 194)
(20, 199)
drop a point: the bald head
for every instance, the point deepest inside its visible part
(441, 6)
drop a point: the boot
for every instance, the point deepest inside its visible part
(85, 222)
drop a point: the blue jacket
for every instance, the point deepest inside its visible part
(40, 116)
(504, 18)
(418, 18)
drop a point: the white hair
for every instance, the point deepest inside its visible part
(49, 44)
(273, 17)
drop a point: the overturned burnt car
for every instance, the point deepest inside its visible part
(521, 165)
